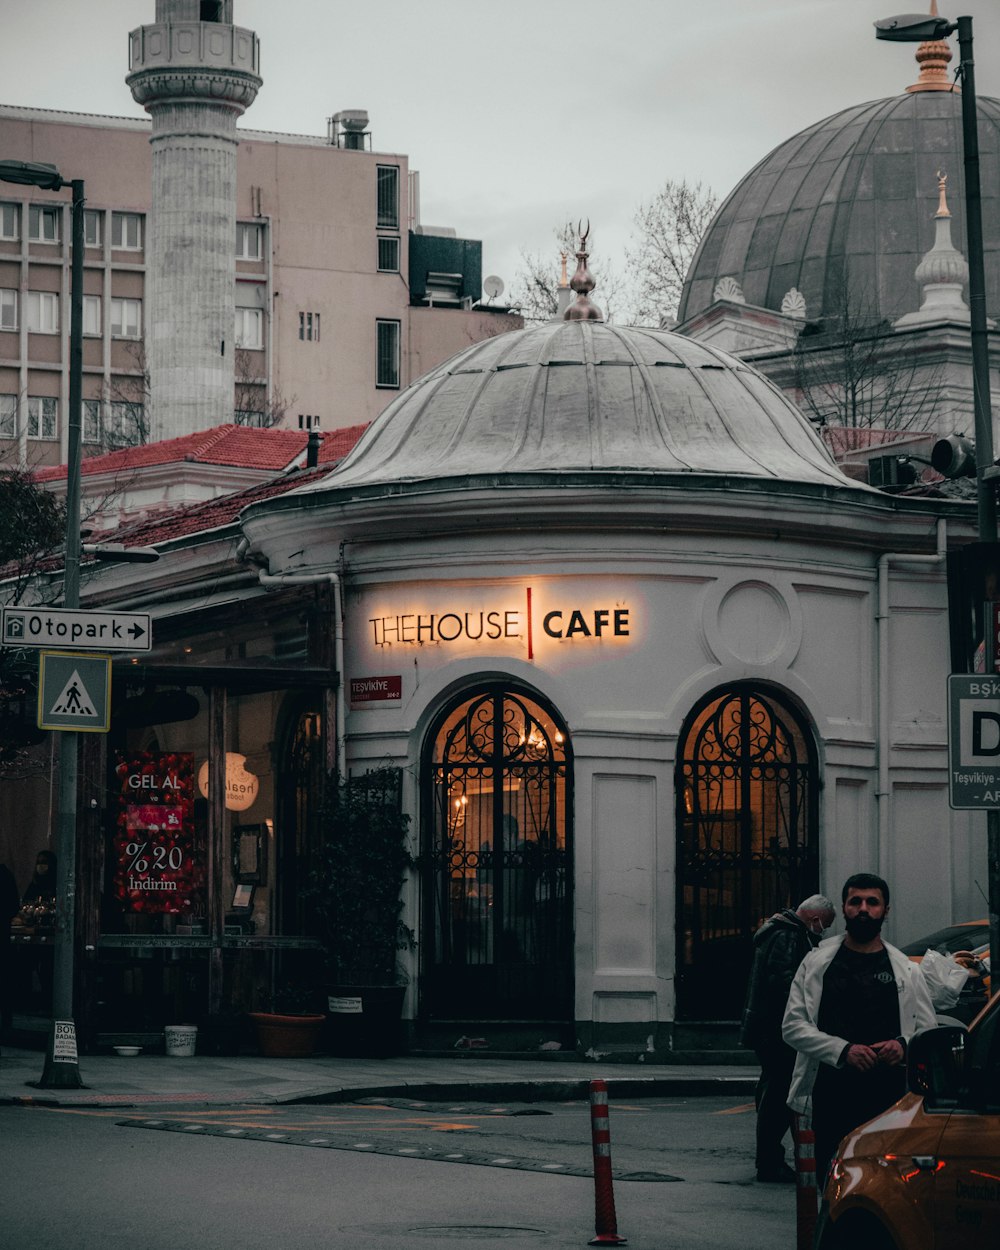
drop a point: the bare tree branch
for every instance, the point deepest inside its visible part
(854, 370)
(666, 232)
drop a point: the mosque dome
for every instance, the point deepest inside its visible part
(581, 396)
(846, 207)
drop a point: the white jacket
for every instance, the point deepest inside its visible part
(799, 1026)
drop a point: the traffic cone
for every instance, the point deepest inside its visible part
(805, 1183)
(605, 1220)
(62, 1065)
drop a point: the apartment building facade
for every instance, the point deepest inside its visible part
(341, 296)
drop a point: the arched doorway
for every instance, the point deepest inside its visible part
(747, 838)
(497, 926)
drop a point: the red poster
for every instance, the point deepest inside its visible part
(156, 868)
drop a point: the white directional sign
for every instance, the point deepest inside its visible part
(74, 691)
(76, 627)
(974, 741)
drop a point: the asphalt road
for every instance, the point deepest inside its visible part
(388, 1175)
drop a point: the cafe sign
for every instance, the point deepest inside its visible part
(520, 619)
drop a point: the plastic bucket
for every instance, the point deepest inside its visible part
(180, 1040)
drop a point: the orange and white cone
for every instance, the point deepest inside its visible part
(805, 1183)
(605, 1220)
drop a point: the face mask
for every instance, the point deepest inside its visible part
(864, 928)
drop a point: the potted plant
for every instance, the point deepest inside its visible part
(291, 1028)
(355, 892)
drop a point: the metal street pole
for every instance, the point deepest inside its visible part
(916, 28)
(986, 488)
(67, 1074)
(61, 1068)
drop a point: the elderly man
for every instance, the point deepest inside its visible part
(780, 945)
(854, 1003)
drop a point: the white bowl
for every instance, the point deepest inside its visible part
(127, 1052)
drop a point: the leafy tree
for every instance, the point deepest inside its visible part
(32, 523)
(32, 528)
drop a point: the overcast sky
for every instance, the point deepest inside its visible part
(521, 114)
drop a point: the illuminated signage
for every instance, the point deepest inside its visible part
(567, 621)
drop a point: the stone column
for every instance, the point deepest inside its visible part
(194, 79)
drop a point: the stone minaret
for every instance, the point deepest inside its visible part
(195, 73)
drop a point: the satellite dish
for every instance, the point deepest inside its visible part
(493, 286)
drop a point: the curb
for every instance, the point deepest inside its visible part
(484, 1091)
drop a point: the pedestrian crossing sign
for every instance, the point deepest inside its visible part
(74, 691)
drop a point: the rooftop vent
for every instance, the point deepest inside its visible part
(349, 129)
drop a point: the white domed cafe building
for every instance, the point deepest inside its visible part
(651, 665)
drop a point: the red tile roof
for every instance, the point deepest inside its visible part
(240, 446)
(201, 517)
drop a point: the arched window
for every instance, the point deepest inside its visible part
(747, 843)
(497, 934)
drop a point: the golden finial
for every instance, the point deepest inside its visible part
(583, 308)
(942, 210)
(933, 56)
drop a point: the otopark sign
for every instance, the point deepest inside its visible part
(77, 628)
(973, 741)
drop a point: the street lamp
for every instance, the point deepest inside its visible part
(917, 28)
(61, 1069)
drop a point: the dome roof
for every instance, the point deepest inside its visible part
(573, 396)
(851, 200)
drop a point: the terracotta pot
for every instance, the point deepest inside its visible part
(286, 1037)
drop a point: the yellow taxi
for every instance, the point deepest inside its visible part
(925, 1175)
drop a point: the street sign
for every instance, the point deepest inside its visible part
(74, 691)
(76, 627)
(973, 741)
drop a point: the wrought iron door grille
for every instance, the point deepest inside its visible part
(498, 927)
(747, 819)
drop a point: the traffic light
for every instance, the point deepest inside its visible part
(973, 581)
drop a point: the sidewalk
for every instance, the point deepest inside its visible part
(111, 1081)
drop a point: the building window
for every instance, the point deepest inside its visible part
(126, 425)
(308, 421)
(92, 315)
(387, 197)
(126, 232)
(126, 318)
(43, 223)
(43, 312)
(388, 255)
(249, 241)
(309, 327)
(10, 221)
(8, 416)
(92, 223)
(43, 417)
(250, 328)
(387, 353)
(91, 432)
(8, 310)
(252, 417)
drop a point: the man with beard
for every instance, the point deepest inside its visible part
(854, 1003)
